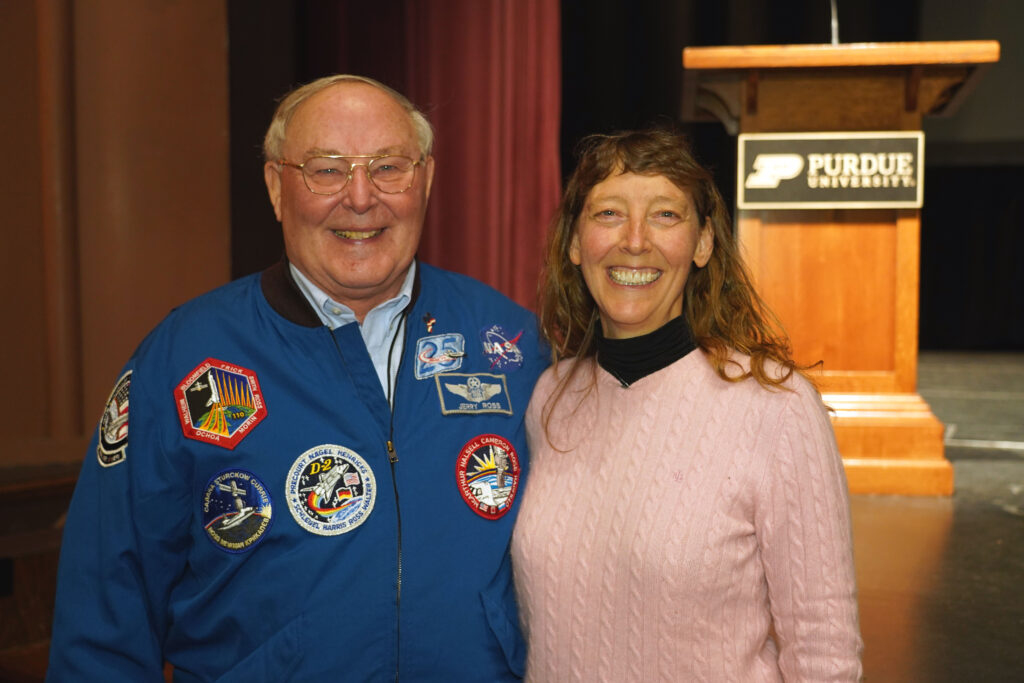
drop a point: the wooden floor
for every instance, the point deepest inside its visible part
(941, 597)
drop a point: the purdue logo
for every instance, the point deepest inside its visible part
(771, 169)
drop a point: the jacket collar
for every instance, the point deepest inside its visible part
(285, 297)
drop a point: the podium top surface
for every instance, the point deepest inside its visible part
(844, 54)
(851, 86)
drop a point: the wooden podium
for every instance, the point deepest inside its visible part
(844, 282)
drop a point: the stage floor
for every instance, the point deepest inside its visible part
(941, 580)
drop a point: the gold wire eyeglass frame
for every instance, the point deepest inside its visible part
(370, 158)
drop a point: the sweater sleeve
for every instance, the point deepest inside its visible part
(803, 528)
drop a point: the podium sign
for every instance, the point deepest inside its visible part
(881, 170)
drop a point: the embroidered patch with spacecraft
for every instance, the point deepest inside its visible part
(236, 510)
(501, 348)
(219, 403)
(471, 394)
(439, 353)
(330, 490)
(112, 442)
(488, 473)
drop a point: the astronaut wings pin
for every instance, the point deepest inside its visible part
(474, 389)
(473, 393)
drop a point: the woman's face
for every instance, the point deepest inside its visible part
(634, 243)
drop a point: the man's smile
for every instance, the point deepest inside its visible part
(358, 234)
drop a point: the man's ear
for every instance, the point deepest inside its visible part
(428, 171)
(272, 177)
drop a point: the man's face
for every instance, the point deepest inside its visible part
(355, 245)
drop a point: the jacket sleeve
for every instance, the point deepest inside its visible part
(124, 545)
(806, 546)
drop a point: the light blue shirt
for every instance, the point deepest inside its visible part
(378, 328)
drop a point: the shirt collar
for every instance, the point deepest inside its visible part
(334, 314)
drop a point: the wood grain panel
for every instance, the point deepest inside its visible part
(25, 375)
(153, 211)
(830, 276)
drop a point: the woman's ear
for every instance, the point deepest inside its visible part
(705, 245)
(574, 249)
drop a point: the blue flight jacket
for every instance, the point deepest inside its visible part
(251, 509)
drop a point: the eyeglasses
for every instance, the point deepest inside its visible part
(330, 174)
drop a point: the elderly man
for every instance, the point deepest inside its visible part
(312, 473)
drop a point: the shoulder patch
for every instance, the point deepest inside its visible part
(439, 353)
(488, 474)
(472, 394)
(501, 348)
(219, 403)
(331, 490)
(112, 441)
(236, 510)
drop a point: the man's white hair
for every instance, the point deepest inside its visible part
(273, 142)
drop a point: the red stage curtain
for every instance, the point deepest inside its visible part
(487, 73)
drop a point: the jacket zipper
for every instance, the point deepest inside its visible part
(392, 461)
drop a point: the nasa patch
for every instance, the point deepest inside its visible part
(236, 510)
(219, 403)
(439, 353)
(471, 394)
(501, 348)
(488, 474)
(330, 490)
(112, 441)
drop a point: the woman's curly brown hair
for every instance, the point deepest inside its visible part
(721, 307)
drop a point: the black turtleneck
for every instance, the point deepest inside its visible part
(631, 359)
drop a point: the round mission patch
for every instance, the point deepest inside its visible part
(236, 510)
(330, 490)
(112, 440)
(488, 473)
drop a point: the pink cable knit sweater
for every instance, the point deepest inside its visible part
(694, 530)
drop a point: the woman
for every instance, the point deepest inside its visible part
(686, 516)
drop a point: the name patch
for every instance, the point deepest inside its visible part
(330, 490)
(236, 510)
(488, 474)
(219, 403)
(470, 394)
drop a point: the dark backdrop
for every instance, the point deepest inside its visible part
(622, 68)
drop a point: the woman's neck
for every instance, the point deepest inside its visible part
(636, 357)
